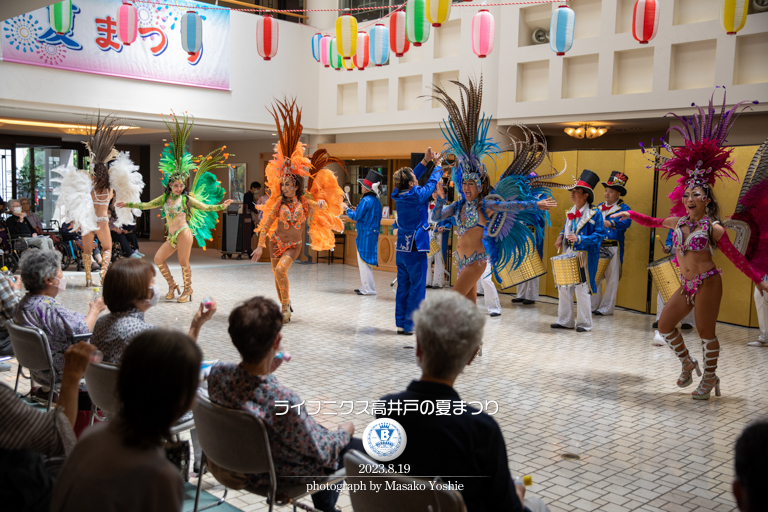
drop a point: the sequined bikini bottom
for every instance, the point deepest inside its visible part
(463, 261)
(279, 247)
(173, 238)
(691, 286)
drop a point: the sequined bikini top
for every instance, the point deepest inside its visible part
(467, 216)
(698, 239)
(294, 212)
(172, 209)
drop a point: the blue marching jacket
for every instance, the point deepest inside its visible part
(590, 231)
(618, 226)
(413, 212)
(368, 222)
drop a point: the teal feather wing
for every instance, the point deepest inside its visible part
(209, 191)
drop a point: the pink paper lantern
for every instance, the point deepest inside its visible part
(267, 36)
(325, 51)
(483, 33)
(362, 57)
(398, 39)
(127, 23)
(645, 20)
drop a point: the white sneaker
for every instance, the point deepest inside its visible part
(658, 341)
(758, 343)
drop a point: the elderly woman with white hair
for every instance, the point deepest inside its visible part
(445, 436)
(43, 279)
(19, 227)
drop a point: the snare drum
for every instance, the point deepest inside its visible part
(570, 269)
(434, 244)
(602, 264)
(530, 268)
(666, 276)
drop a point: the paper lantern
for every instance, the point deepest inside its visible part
(734, 15)
(346, 35)
(379, 45)
(417, 26)
(191, 32)
(361, 58)
(316, 46)
(267, 33)
(60, 17)
(438, 11)
(645, 20)
(348, 64)
(398, 41)
(483, 33)
(127, 23)
(325, 51)
(336, 60)
(561, 29)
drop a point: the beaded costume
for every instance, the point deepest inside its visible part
(284, 218)
(199, 207)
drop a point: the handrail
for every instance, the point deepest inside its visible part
(256, 6)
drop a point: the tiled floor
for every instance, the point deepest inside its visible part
(607, 396)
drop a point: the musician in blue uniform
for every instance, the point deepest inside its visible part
(613, 243)
(411, 205)
(367, 216)
(583, 231)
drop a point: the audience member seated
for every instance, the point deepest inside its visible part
(77, 241)
(120, 235)
(10, 294)
(28, 436)
(300, 447)
(133, 240)
(129, 291)
(32, 217)
(42, 277)
(19, 227)
(121, 464)
(465, 443)
(752, 468)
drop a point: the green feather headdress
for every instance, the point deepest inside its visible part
(176, 162)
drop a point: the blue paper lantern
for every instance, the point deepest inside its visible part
(378, 45)
(191, 32)
(316, 46)
(561, 29)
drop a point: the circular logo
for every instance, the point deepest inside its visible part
(384, 439)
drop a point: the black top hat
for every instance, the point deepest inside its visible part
(617, 181)
(587, 181)
(370, 180)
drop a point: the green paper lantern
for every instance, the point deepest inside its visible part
(335, 57)
(416, 22)
(60, 17)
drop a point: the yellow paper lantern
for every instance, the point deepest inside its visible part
(734, 15)
(346, 36)
(438, 11)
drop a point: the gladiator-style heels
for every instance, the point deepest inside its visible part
(686, 376)
(87, 265)
(173, 288)
(709, 380)
(287, 310)
(106, 259)
(186, 295)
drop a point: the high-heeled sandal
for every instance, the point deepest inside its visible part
(87, 266)
(704, 390)
(686, 376)
(173, 288)
(186, 295)
(287, 310)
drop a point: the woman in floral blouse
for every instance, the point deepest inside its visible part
(300, 447)
(42, 277)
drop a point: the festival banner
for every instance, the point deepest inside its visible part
(90, 42)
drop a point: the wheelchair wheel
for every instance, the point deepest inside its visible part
(66, 257)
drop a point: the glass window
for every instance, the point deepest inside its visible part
(358, 170)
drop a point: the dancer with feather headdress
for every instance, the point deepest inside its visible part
(289, 207)
(697, 232)
(480, 215)
(84, 196)
(190, 214)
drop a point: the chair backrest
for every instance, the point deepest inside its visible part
(101, 381)
(30, 346)
(386, 500)
(235, 440)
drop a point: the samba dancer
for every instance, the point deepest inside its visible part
(697, 232)
(689, 318)
(289, 208)
(613, 243)
(188, 214)
(583, 232)
(367, 217)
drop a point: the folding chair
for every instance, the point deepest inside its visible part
(101, 382)
(237, 441)
(31, 349)
(401, 501)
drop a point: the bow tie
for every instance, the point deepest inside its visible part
(576, 215)
(605, 207)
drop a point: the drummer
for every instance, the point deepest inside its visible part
(583, 231)
(613, 244)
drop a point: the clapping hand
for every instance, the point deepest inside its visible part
(439, 189)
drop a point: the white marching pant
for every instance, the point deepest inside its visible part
(583, 306)
(367, 284)
(492, 303)
(604, 303)
(689, 318)
(762, 313)
(438, 281)
(528, 290)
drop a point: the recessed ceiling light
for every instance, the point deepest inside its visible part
(197, 138)
(163, 140)
(274, 134)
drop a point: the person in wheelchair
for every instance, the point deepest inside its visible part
(120, 237)
(19, 227)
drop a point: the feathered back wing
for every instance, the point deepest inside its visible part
(752, 208)
(127, 183)
(74, 202)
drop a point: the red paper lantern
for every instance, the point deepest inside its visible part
(127, 23)
(645, 20)
(398, 40)
(267, 37)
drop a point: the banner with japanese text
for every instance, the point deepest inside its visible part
(85, 35)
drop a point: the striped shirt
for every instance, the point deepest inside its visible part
(23, 427)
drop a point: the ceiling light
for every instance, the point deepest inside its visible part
(61, 126)
(274, 134)
(197, 138)
(586, 130)
(164, 140)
